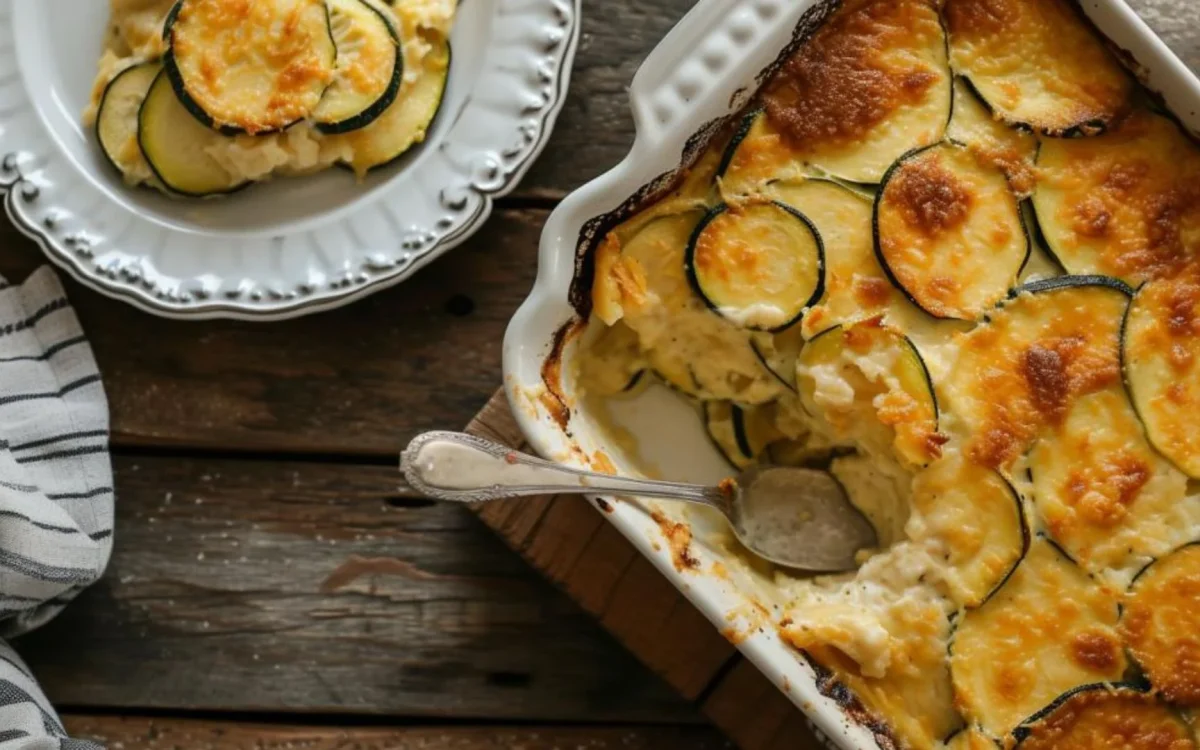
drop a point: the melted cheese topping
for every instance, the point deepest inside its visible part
(1161, 624)
(855, 285)
(137, 36)
(254, 65)
(867, 382)
(1162, 360)
(1022, 370)
(1100, 719)
(1037, 62)
(1050, 628)
(873, 79)
(1126, 203)
(950, 232)
(1102, 491)
(971, 519)
(759, 264)
(1007, 149)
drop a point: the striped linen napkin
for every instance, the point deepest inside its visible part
(56, 492)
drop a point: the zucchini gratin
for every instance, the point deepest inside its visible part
(203, 97)
(951, 253)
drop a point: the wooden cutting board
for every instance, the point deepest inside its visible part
(576, 548)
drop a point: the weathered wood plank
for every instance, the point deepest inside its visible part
(244, 585)
(361, 380)
(173, 734)
(575, 547)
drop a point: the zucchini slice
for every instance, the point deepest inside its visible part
(1102, 717)
(872, 83)
(741, 435)
(1011, 150)
(612, 361)
(405, 123)
(1102, 492)
(949, 232)
(870, 383)
(758, 265)
(175, 145)
(970, 738)
(1023, 367)
(1037, 64)
(855, 284)
(973, 519)
(1161, 624)
(1160, 349)
(117, 120)
(1048, 629)
(370, 67)
(1121, 204)
(778, 353)
(249, 67)
(757, 155)
(692, 348)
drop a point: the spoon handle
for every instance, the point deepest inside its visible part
(467, 469)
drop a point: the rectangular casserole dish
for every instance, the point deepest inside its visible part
(700, 75)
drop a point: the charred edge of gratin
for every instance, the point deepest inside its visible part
(595, 229)
(556, 401)
(829, 686)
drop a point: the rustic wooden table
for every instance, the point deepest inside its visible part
(270, 589)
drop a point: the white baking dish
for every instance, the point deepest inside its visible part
(703, 72)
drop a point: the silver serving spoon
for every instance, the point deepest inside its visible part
(799, 518)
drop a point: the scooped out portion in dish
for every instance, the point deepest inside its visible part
(951, 253)
(203, 97)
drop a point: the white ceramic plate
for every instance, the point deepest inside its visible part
(702, 72)
(288, 247)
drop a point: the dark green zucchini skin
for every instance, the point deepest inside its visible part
(739, 135)
(171, 67)
(169, 188)
(1082, 129)
(791, 386)
(436, 113)
(372, 113)
(1062, 282)
(689, 265)
(878, 245)
(1026, 727)
(741, 440)
(96, 127)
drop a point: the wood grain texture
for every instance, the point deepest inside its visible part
(177, 734)
(573, 545)
(359, 380)
(256, 586)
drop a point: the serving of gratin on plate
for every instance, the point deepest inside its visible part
(203, 97)
(951, 252)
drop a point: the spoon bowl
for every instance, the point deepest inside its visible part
(797, 518)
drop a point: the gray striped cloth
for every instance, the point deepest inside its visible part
(56, 492)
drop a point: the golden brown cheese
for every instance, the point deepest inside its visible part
(1020, 371)
(1161, 624)
(1162, 361)
(1126, 203)
(1050, 628)
(971, 519)
(867, 381)
(256, 66)
(950, 232)
(1037, 62)
(852, 74)
(1103, 493)
(871, 84)
(1010, 150)
(1103, 719)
